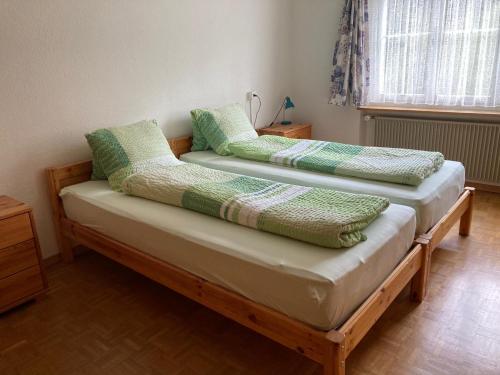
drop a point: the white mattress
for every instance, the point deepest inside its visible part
(316, 285)
(431, 199)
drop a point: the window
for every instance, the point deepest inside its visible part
(435, 52)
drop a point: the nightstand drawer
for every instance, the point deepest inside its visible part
(300, 134)
(14, 230)
(297, 131)
(304, 133)
(20, 286)
(17, 258)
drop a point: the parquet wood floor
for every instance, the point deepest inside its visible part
(101, 318)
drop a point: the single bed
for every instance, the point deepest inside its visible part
(315, 285)
(291, 292)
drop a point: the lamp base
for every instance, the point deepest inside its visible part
(285, 122)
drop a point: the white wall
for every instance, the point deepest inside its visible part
(70, 66)
(314, 33)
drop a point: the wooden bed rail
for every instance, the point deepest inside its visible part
(460, 212)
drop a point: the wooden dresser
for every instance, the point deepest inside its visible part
(21, 273)
(301, 131)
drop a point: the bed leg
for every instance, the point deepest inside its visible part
(419, 283)
(334, 359)
(466, 219)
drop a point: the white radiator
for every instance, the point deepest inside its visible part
(476, 145)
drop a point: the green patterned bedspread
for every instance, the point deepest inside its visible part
(318, 216)
(400, 166)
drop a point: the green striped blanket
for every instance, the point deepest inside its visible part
(319, 216)
(400, 166)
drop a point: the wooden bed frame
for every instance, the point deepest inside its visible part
(329, 348)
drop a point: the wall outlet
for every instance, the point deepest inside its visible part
(250, 95)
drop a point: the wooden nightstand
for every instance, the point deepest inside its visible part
(302, 131)
(21, 273)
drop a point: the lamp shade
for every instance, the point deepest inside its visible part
(288, 103)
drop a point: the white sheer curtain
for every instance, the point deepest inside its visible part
(435, 52)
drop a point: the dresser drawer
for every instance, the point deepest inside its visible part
(14, 230)
(20, 285)
(17, 258)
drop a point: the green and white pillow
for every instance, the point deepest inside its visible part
(200, 143)
(97, 171)
(124, 150)
(222, 126)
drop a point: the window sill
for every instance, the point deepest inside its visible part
(429, 112)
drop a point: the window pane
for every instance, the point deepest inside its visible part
(444, 52)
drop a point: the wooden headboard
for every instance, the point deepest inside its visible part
(70, 174)
(180, 145)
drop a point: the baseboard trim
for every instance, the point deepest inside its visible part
(484, 187)
(51, 260)
(54, 259)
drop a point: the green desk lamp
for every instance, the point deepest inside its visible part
(287, 103)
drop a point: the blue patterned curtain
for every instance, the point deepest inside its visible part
(351, 64)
